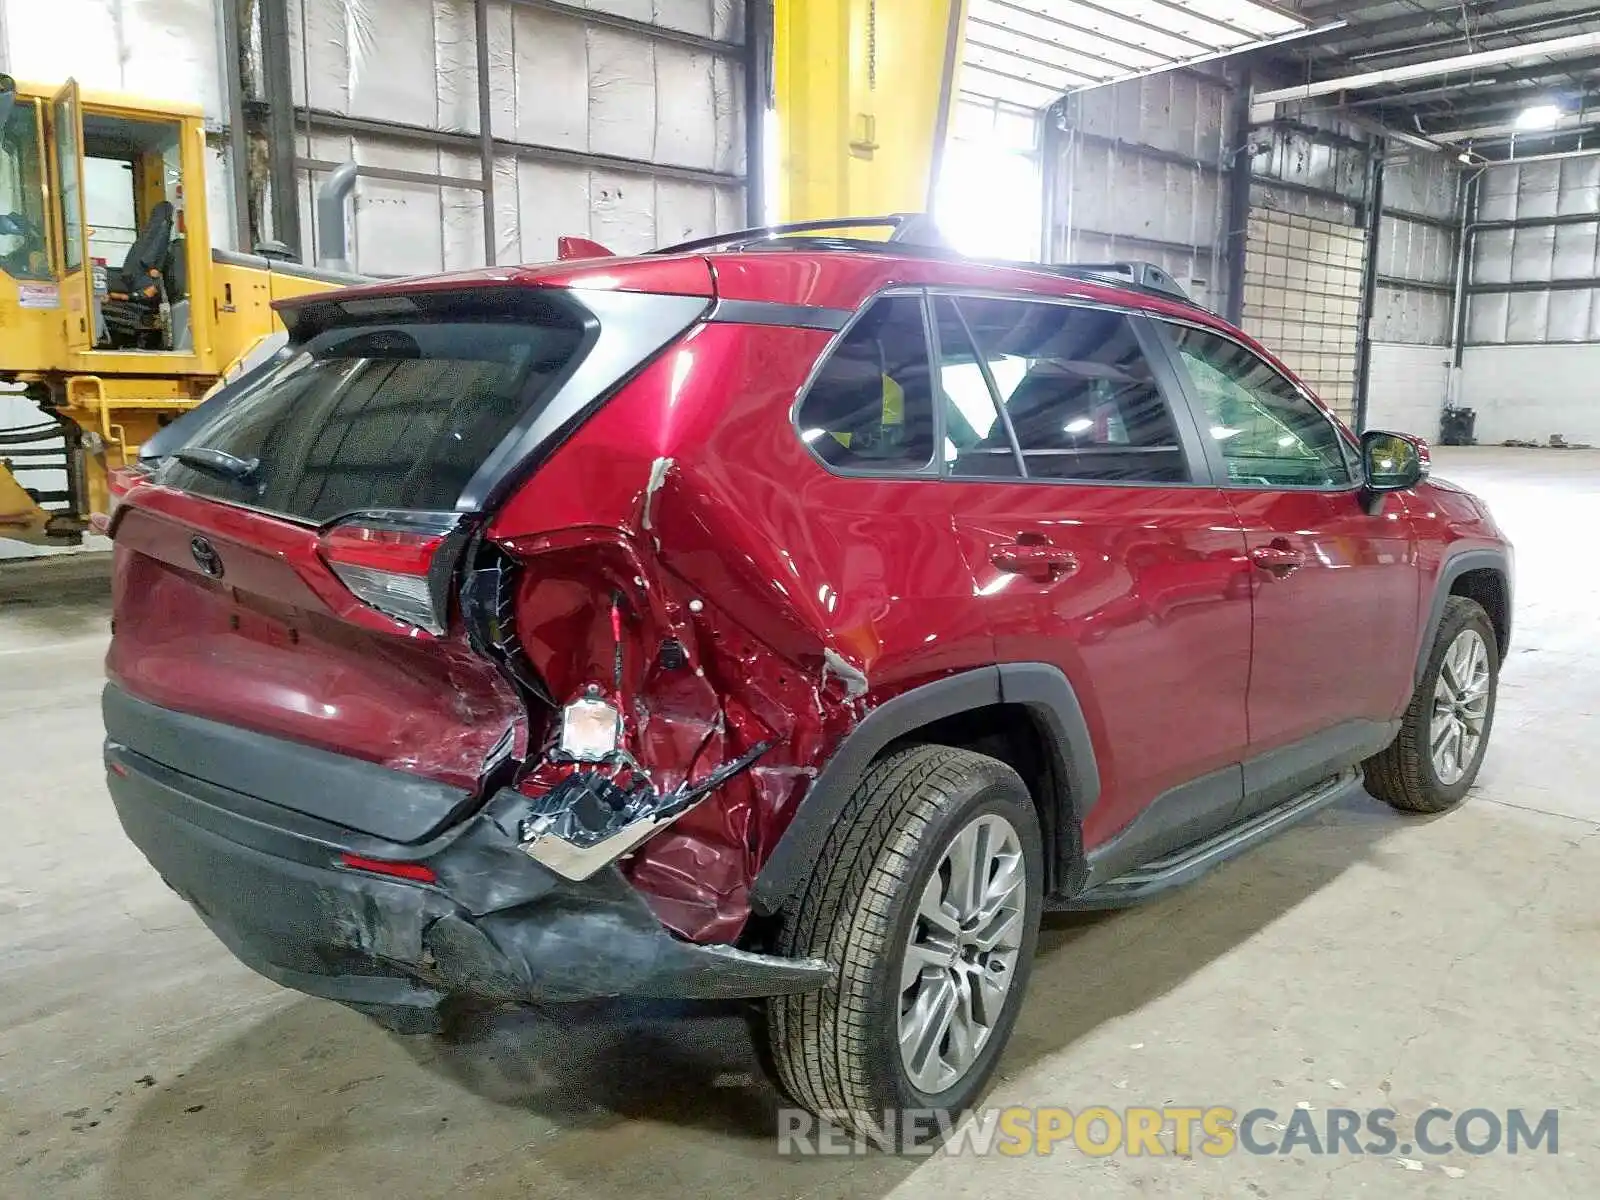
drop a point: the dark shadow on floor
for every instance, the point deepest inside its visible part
(637, 1101)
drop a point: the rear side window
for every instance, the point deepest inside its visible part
(394, 415)
(870, 408)
(1078, 391)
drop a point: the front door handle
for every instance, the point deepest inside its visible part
(1277, 560)
(1042, 561)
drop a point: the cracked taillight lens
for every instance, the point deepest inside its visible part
(397, 563)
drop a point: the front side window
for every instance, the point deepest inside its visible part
(1078, 391)
(1269, 433)
(24, 253)
(870, 408)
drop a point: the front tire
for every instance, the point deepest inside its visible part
(1435, 757)
(927, 897)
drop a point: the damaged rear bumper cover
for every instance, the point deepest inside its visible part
(491, 923)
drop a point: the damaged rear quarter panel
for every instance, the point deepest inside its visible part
(817, 597)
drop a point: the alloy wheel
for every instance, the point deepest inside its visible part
(961, 955)
(1460, 707)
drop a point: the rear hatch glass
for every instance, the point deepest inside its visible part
(396, 412)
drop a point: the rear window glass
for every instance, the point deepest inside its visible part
(394, 415)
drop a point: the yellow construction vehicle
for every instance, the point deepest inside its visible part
(115, 312)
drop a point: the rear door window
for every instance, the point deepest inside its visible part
(1078, 392)
(391, 415)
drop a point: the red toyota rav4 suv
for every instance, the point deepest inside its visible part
(790, 617)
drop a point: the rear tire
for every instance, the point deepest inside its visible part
(936, 856)
(1435, 757)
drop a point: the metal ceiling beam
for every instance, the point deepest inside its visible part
(1510, 82)
(1143, 51)
(1575, 44)
(1202, 47)
(1249, 35)
(1480, 33)
(1405, 22)
(1502, 130)
(1330, 7)
(1432, 93)
(973, 43)
(1505, 110)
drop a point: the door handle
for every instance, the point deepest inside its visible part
(1277, 560)
(1034, 559)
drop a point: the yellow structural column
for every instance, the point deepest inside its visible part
(863, 93)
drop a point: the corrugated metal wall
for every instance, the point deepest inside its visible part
(626, 133)
(1139, 175)
(1141, 170)
(1417, 249)
(1536, 254)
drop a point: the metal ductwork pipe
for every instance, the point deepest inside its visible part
(333, 244)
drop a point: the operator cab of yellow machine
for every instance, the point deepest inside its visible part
(96, 236)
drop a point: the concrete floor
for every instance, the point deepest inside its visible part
(1360, 960)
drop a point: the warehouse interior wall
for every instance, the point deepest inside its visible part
(621, 120)
(159, 49)
(1136, 170)
(629, 131)
(1531, 350)
(1410, 384)
(1143, 170)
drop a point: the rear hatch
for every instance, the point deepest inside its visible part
(287, 568)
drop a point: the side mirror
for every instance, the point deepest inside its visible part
(1392, 462)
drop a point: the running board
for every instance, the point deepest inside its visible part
(1193, 861)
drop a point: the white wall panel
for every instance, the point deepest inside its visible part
(1531, 392)
(1115, 201)
(163, 49)
(556, 81)
(1536, 254)
(551, 78)
(552, 200)
(684, 211)
(1408, 388)
(622, 94)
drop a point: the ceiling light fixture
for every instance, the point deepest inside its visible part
(1538, 116)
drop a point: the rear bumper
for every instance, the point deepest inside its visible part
(494, 925)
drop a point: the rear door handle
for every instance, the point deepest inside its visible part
(1025, 558)
(1277, 560)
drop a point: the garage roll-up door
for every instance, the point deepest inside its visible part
(1302, 299)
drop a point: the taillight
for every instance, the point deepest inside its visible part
(397, 562)
(119, 482)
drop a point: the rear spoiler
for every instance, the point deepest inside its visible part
(580, 247)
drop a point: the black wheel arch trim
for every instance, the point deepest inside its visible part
(1039, 687)
(1453, 568)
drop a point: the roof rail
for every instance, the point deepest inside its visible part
(916, 233)
(904, 228)
(1142, 276)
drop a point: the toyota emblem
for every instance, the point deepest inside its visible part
(206, 557)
